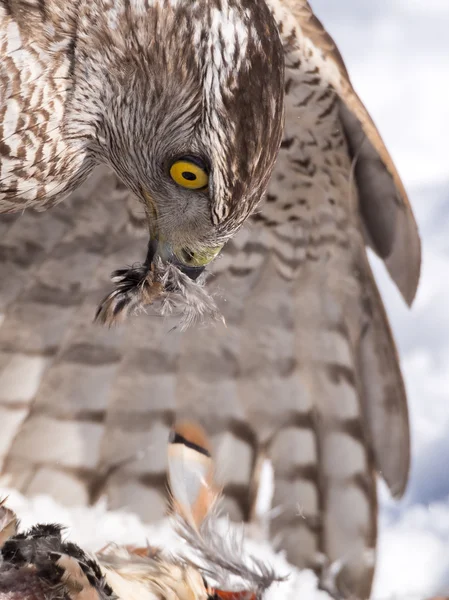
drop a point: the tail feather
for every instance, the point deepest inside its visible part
(26, 241)
(384, 399)
(284, 381)
(58, 358)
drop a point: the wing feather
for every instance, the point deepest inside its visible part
(383, 397)
(384, 205)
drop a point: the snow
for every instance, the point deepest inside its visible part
(397, 52)
(413, 552)
(413, 549)
(92, 528)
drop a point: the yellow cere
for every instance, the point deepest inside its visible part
(188, 175)
(198, 259)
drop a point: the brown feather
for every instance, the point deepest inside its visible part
(385, 206)
(8, 523)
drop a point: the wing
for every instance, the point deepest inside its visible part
(390, 227)
(305, 374)
(38, 163)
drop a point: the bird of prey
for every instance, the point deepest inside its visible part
(39, 564)
(184, 101)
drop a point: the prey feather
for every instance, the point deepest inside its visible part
(219, 556)
(195, 496)
(62, 569)
(210, 564)
(161, 285)
(9, 523)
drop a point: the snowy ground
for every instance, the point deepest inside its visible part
(93, 528)
(397, 52)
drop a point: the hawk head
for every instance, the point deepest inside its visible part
(184, 99)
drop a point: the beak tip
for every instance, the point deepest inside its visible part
(165, 253)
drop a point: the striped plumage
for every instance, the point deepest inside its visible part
(305, 374)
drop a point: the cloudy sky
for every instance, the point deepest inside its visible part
(397, 52)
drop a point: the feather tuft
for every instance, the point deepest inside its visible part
(160, 284)
(220, 557)
(195, 499)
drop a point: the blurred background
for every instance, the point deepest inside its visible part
(397, 54)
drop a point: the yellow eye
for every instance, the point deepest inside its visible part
(189, 174)
(197, 259)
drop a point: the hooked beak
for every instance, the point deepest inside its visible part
(158, 248)
(164, 251)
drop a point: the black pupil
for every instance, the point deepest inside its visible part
(188, 175)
